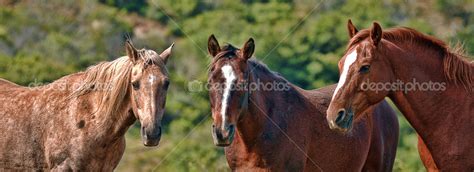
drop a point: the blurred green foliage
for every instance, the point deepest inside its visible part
(303, 40)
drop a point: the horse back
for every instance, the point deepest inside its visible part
(321, 97)
(6, 84)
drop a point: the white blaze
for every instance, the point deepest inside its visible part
(350, 59)
(151, 79)
(229, 76)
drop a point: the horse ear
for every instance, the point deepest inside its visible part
(351, 29)
(167, 53)
(132, 52)
(249, 48)
(376, 33)
(213, 46)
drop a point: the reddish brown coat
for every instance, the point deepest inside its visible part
(286, 130)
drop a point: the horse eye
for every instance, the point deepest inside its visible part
(136, 85)
(364, 69)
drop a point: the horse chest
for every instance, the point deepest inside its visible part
(265, 153)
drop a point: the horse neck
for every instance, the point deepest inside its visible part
(426, 110)
(107, 124)
(115, 125)
(262, 106)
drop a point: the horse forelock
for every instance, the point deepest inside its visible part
(150, 55)
(227, 50)
(456, 67)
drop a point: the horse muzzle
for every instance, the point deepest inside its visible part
(151, 136)
(343, 121)
(223, 136)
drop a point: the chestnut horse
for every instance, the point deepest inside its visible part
(430, 83)
(425, 155)
(267, 123)
(78, 122)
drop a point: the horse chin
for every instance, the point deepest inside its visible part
(343, 130)
(151, 142)
(223, 142)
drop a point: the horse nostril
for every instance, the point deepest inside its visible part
(218, 134)
(230, 127)
(143, 132)
(340, 116)
(159, 131)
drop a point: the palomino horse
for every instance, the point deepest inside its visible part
(266, 123)
(430, 83)
(78, 122)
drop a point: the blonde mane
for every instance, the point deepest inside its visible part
(111, 81)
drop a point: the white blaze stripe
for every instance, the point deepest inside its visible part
(151, 79)
(350, 59)
(229, 76)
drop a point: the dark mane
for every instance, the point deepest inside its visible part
(402, 34)
(456, 67)
(257, 66)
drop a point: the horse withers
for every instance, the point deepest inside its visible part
(266, 123)
(78, 122)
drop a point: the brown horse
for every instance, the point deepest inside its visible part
(430, 83)
(425, 155)
(266, 123)
(78, 122)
